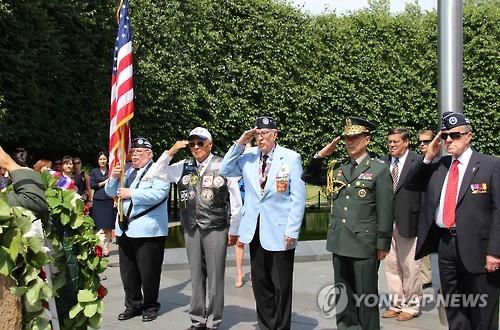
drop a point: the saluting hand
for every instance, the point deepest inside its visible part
(7, 162)
(434, 147)
(247, 136)
(178, 145)
(330, 148)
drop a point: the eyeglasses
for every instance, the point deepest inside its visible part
(198, 143)
(138, 151)
(453, 135)
(424, 141)
(261, 133)
(77, 163)
(57, 163)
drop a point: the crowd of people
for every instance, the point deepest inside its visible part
(398, 209)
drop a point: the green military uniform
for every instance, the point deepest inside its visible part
(361, 222)
(28, 191)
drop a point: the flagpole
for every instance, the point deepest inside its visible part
(122, 174)
(118, 11)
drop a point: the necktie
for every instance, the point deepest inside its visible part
(131, 178)
(353, 167)
(263, 171)
(395, 174)
(450, 197)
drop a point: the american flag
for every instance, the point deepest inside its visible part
(122, 89)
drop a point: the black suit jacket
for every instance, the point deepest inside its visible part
(477, 212)
(407, 202)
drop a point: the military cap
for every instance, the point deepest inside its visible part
(265, 122)
(200, 132)
(451, 119)
(141, 142)
(355, 126)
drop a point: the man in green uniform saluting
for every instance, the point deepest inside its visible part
(361, 221)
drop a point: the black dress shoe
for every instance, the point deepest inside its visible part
(128, 314)
(149, 317)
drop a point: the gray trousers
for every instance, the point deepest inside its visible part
(206, 250)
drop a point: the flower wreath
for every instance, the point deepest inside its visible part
(74, 254)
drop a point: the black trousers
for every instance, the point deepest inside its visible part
(272, 277)
(456, 282)
(141, 260)
(357, 277)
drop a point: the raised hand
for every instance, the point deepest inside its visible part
(178, 145)
(329, 148)
(434, 147)
(247, 136)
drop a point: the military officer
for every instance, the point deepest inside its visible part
(360, 229)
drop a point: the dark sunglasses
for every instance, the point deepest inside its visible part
(453, 135)
(424, 141)
(193, 144)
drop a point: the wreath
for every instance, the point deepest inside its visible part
(74, 254)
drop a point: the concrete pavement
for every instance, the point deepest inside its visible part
(313, 271)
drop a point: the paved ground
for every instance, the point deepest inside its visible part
(313, 271)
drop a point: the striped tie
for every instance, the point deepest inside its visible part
(395, 174)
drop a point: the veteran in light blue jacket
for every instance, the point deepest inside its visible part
(274, 209)
(142, 233)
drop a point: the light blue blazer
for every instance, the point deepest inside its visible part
(150, 192)
(281, 213)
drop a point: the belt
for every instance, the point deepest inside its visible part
(452, 231)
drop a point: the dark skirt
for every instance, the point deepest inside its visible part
(103, 214)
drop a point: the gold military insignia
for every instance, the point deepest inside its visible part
(348, 122)
(362, 193)
(333, 185)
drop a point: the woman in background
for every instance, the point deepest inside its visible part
(42, 165)
(102, 205)
(82, 181)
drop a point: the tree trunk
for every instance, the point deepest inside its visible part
(10, 306)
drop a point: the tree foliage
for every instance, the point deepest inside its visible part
(220, 63)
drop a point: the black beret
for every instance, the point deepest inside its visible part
(265, 122)
(451, 119)
(141, 142)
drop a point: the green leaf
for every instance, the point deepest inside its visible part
(75, 310)
(78, 222)
(92, 262)
(15, 246)
(6, 263)
(86, 296)
(18, 290)
(33, 242)
(33, 293)
(95, 321)
(90, 309)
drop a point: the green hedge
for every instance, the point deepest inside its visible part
(220, 63)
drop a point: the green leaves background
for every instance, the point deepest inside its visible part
(220, 63)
